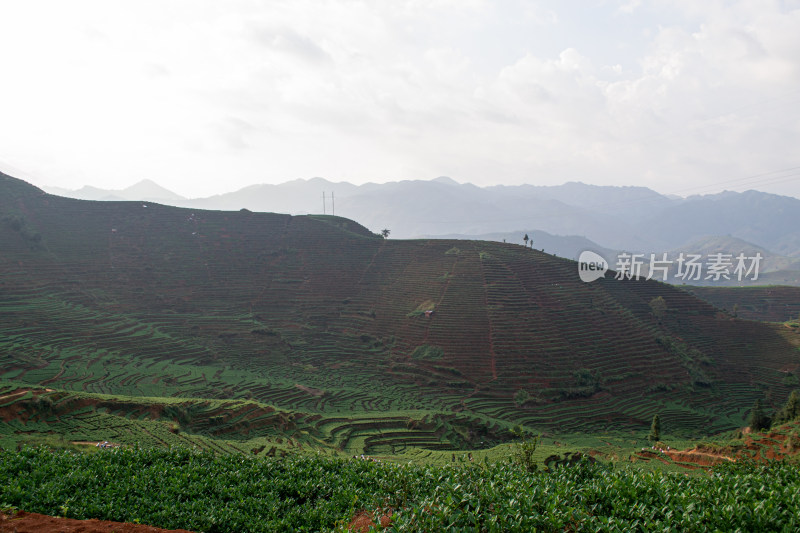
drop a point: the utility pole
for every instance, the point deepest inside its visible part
(323, 202)
(333, 205)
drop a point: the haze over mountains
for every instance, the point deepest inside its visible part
(605, 219)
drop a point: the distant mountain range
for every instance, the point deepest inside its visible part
(564, 219)
(147, 190)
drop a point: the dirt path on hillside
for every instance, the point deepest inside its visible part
(13, 395)
(698, 457)
(686, 457)
(22, 522)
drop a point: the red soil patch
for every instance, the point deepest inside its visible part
(760, 447)
(363, 521)
(697, 457)
(22, 522)
(773, 454)
(648, 455)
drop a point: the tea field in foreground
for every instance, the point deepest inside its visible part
(179, 488)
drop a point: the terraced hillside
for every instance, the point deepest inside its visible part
(437, 344)
(776, 303)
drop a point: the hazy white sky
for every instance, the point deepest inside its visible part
(201, 96)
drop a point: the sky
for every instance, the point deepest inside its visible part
(205, 97)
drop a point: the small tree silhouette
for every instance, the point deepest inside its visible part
(385, 233)
(659, 307)
(758, 419)
(526, 238)
(521, 397)
(790, 411)
(655, 429)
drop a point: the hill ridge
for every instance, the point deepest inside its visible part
(630, 218)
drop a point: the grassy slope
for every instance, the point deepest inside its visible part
(316, 315)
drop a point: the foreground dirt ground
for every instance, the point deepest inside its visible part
(22, 522)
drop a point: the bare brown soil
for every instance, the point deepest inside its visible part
(697, 457)
(767, 446)
(22, 522)
(363, 521)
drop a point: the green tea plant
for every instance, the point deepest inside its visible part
(200, 491)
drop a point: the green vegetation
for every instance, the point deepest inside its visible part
(521, 397)
(791, 379)
(768, 303)
(655, 429)
(692, 359)
(525, 450)
(178, 488)
(758, 418)
(235, 331)
(18, 224)
(273, 346)
(425, 306)
(790, 412)
(659, 307)
(427, 353)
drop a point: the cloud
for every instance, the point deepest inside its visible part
(233, 131)
(539, 15)
(629, 6)
(288, 41)
(681, 92)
